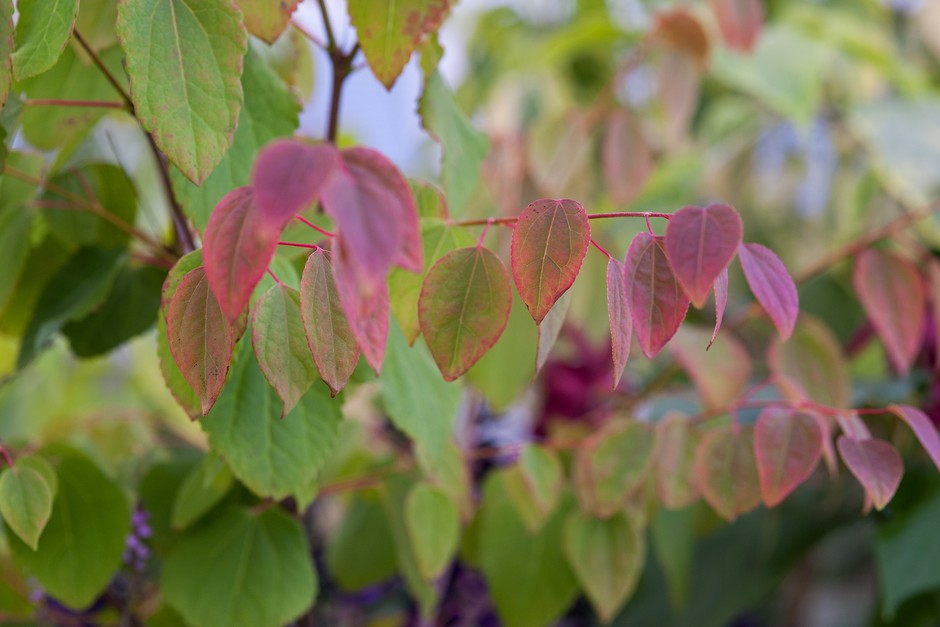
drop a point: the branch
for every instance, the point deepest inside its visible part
(591, 216)
(58, 102)
(128, 103)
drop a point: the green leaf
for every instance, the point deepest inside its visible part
(673, 457)
(361, 552)
(266, 19)
(277, 335)
(811, 364)
(534, 485)
(416, 399)
(390, 31)
(727, 471)
(272, 456)
(95, 22)
(465, 147)
(16, 224)
(202, 489)
(25, 503)
(671, 533)
(270, 110)
(43, 29)
(80, 549)
(6, 49)
(615, 462)
(433, 525)
(184, 59)
(607, 557)
(550, 328)
(172, 376)
(43, 467)
(241, 569)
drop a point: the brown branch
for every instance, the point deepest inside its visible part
(58, 102)
(128, 103)
(591, 216)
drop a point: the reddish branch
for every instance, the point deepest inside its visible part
(58, 102)
(591, 216)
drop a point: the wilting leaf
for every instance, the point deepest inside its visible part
(811, 365)
(787, 447)
(366, 310)
(615, 463)
(740, 22)
(673, 461)
(464, 307)
(727, 472)
(550, 329)
(626, 157)
(329, 336)
(721, 302)
(267, 19)
(876, 464)
(923, 428)
(701, 242)
(289, 175)
(433, 526)
(618, 312)
(657, 302)
(42, 31)
(892, 293)
(549, 242)
(25, 503)
(772, 286)
(721, 373)
(201, 339)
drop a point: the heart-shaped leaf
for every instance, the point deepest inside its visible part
(266, 19)
(615, 462)
(25, 503)
(739, 21)
(549, 242)
(876, 464)
(772, 286)
(621, 322)
(329, 335)
(463, 308)
(787, 447)
(657, 302)
(201, 339)
(42, 31)
(923, 428)
(892, 293)
(727, 472)
(366, 306)
(701, 242)
(721, 302)
(433, 525)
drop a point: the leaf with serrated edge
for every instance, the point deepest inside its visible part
(289, 175)
(366, 306)
(923, 428)
(621, 322)
(267, 19)
(772, 286)
(329, 336)
(721, 302)
(727, 472)
(25, 503)
(188, 98)
(200, 336)
(787, 447)
(876, 464)
(657, 302)
(464, 307)
(549, 243)
(42, 31)
(739, 21)
(433, 525)
(551, 328)
(701, 242)
(892, 294)
(280, 343)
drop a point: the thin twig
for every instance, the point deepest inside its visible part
(330, 39)
(591, 216)
(315, 227)
(128, 103)
(58, 102)
(316, 41)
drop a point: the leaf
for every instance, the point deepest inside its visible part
(721, 302)
(366, 310)
(739, 21)
(811, 365)
(329, 336)
(202, 489)
(892, 294)
(267, 19)
(787, 448)
(550, 329)
(270, 111)
(187, 97)
(772, 286)
(361, 551)
(289, 175)
(16, 224)
(534, 485)
(559, 153)
(43, 29)
(681, 30)
(607, 557)
(721, 373)
(615, 463)
(700, 243)
(80, 549)
(673, 461)
(657, 302)
(621, 322)
(727, 471)
(390, 31)
(923, 428)
(25, 503)
(626, 157)
(418, 402)
(280, 343)
(464, 307)
(43, 467)
(549, 243)
(433, 526)
(241, 569)
(876, 464)
(201, 339)
(465, 147)
(6, 49)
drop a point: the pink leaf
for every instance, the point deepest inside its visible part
(922, 427)
(727, 472)
(892, 294)
(289, 175)
(627, 159)
(739, 21)
(621, 323)
(876, 464)
(549, 243)
(787, 447)
(772, 286)
(657, 302)
(200, 337)
(366, 306)
(721, 302)
(701, 242)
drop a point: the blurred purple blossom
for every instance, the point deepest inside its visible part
(136, 551)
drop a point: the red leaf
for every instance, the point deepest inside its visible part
(366, 306)
(876, 464)
(772, 286)
(701, 242)
(627, 159)
(329, 335)
(200, 337)
(621, 323)
(549, 243)
(727, 472)
(657, 302)
(721, 302)
(922, 427)
(739, 21)
(892, 294)
(932, 271)
(289, 175)
(787, 447)
(464, 307)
